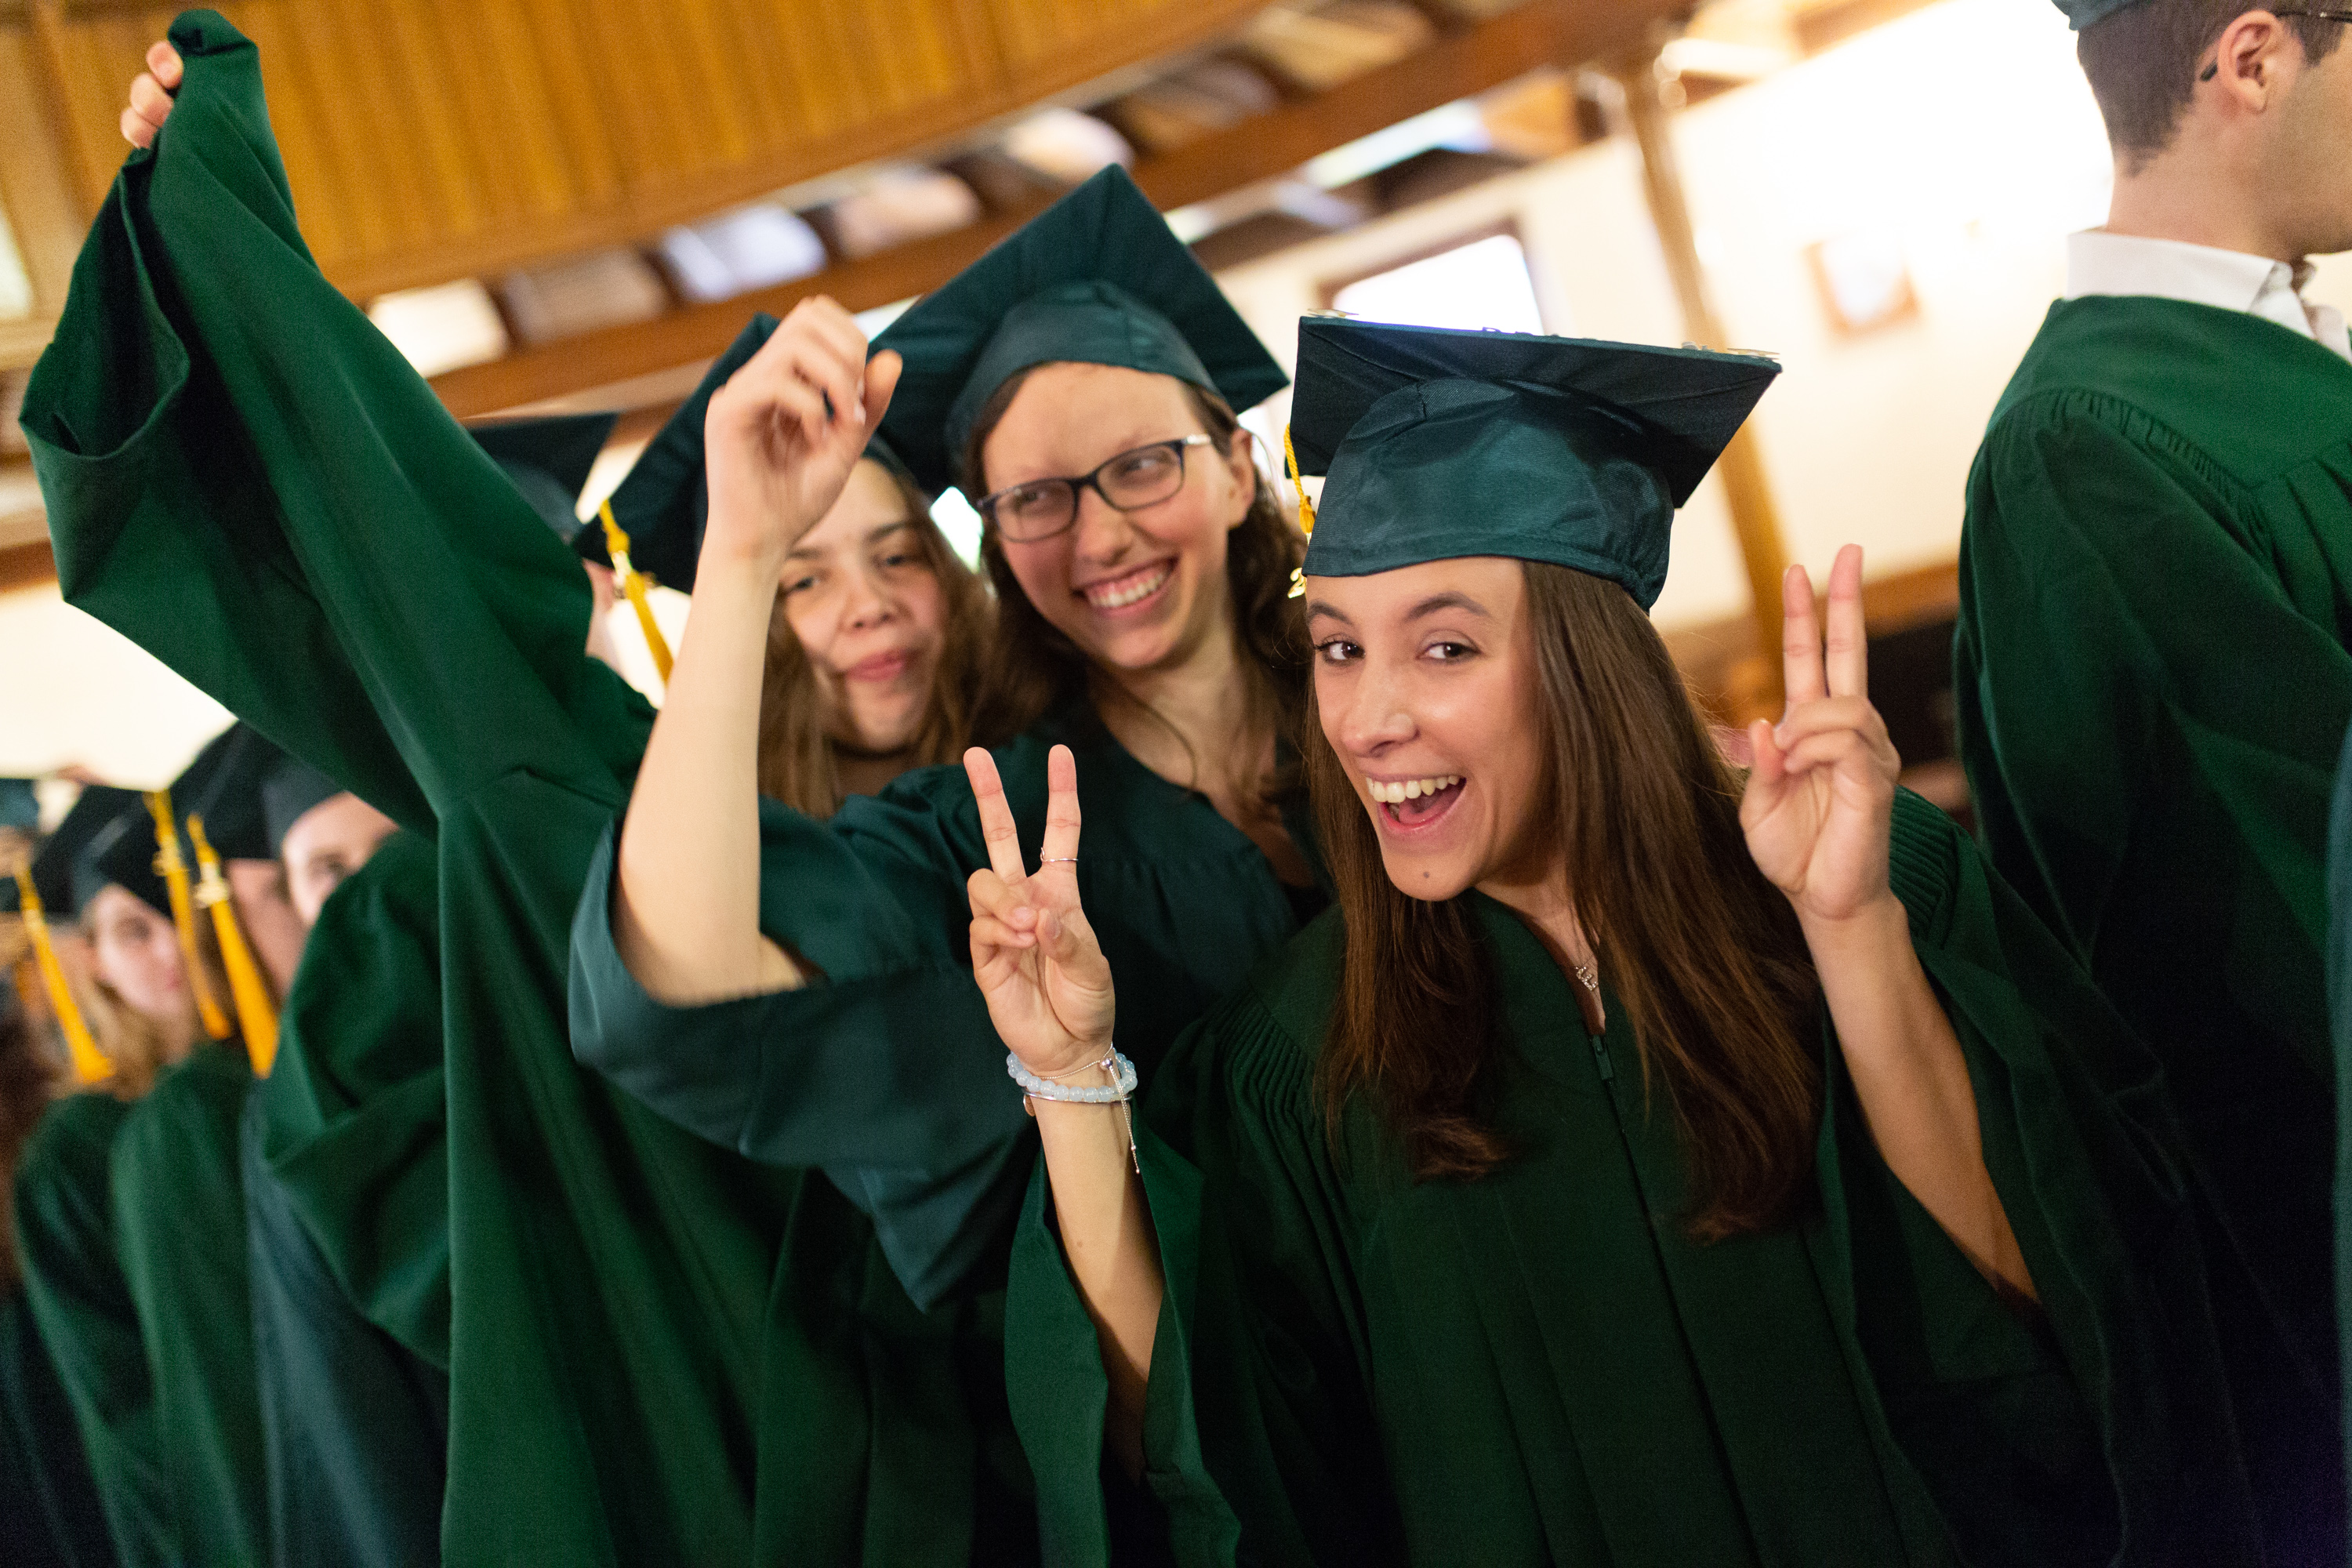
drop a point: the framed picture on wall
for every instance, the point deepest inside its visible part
(1865, 278)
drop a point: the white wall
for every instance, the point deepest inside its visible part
(1966, 129)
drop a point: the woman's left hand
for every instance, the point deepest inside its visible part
(1821, 795)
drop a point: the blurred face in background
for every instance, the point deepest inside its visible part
(270, 922)
(136, 951)
(871, 613)
(327, 844)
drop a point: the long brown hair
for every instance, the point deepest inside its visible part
(796, 755)
(1701, 951)
(1030, 667)
(29, 1080)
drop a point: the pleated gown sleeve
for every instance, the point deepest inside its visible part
(2153, 680)
(1355, 1367)
(74, 1281)
(179, 1208)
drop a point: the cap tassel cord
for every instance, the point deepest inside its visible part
(174, 872)
(257, 1017)
(633, 585)
(90, 1065)
(1305, 510)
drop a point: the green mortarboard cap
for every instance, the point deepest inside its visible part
(548, 459)
(292, 788)
(54, 863)
(123, 852)
(1098, 278)
(230, 797)
(1441, 444)
(663, 505)
(19, 805)
(2082, 14)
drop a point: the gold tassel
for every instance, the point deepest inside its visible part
(1305, 510)
(633, 585)
(257, 1018)
(174, 872)
(90, 1063)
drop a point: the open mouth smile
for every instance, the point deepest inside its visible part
(1409, 805)
(1133, 588)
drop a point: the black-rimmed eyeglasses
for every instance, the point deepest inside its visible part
(1039, 509)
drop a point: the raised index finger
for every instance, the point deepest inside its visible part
(997, 826)
(1800, 639)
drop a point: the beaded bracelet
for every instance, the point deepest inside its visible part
(1122, 1084)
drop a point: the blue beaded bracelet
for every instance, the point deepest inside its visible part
(1122, 1082)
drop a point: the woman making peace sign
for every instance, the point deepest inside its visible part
(1634, 1166)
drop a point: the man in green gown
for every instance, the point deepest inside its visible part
(2154, 657)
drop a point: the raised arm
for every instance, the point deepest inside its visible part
(1818, 813)
(780, 437)
(1050, 996)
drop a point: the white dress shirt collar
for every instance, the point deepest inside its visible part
(2099, 262)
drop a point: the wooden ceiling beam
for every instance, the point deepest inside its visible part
(1540, 33)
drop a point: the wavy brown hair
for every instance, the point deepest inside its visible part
(796, 755)
(1701, 951)
(1030, 667)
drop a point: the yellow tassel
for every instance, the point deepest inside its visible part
(1305, 510)
(174, 872)
(257, 1018)
(633, 585)
(90, 1063)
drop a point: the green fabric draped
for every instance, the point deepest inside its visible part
(1539, 1366)
(50, 1516)
(2154, 677)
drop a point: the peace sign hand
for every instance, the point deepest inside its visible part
(1820, 798)
(1048, 986)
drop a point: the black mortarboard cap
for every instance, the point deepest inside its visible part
(548, 459)
(19, 805)
(54, 863)
(230, 794)
(123, 852)
(663, 504)
(1440, 444)
(290, 792)
(1098, 278)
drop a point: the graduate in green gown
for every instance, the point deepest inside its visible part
(649, 1358)
(1633, 1168)
(66, 1229)
(2154, 655)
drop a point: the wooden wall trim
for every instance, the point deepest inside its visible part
(1543, 32)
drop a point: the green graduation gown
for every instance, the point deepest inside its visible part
(347, 1203)
(1537, 1366)
(2339, 1012)
(65, 1233)
(50, 1513)
(658, 1350)
(179, 1211)
(2154, 675)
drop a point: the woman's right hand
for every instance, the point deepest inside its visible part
(151, 95)
(780, 438)
(1048, 986)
